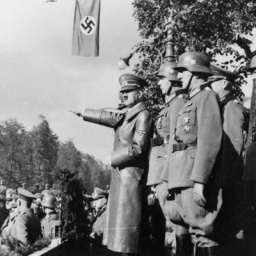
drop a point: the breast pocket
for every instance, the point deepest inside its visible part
(187, 117)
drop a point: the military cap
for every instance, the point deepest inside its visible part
(195, 62)
(25, 195)
(252, 64)
(131, 82)
(167, 71)
(218, 71)
(49, 201)
(11, 194)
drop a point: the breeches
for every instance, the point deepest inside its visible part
(203, 223)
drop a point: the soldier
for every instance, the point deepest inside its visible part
(48, 223)
(26, 228)
(24, 185)
(37, 206)
(175, 98)
(133, 130)
(99, 204)
(3, 211)
(222, 82)
(11, 206)
(191, 182)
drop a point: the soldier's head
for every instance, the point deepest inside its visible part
(131, 89)
(99, 197)
(24, 185)
(49, 203)
(25, 199)
(47, 186)
(11, 197)
(193, 68)
(222, 80)
(168, 78)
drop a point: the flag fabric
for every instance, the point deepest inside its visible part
(86, 28)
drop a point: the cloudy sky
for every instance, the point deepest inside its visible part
(38, 74)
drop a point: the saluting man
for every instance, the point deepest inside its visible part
(165, 124)
(192, 179)
(133, 130)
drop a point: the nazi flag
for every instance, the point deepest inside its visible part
(86, 28)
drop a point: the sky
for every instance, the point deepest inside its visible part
(39, 76)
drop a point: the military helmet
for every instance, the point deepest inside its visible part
(167, 71)
(49, 201)
(195, 62)
(252, 64)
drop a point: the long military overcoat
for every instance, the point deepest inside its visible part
(133, 131)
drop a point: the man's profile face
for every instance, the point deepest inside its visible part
(131, 97)
(185, 76)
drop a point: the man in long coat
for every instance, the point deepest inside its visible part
(133, 130)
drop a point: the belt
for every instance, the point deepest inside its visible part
(158, 141)
(182, 146)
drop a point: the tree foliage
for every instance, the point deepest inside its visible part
(211, 26)
(36, 156)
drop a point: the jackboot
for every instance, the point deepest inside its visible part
(184, 246)
(210, 251)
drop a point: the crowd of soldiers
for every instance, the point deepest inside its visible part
(29, 216)
(182, 172)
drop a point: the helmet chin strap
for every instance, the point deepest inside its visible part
(189, 82)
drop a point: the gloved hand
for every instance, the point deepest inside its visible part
(78, 113)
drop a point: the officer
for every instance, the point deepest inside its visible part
(133, 130)
(175, 98)
(48, 223)
(24, 185)
(11, 206)
(26, 228)
(191, 182)
(99, 204)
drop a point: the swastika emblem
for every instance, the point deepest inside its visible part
(88, 25)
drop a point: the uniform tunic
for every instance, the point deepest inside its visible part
(48, 224)
(164, 129)
(198, 135)
(133, 131)
(8, 224)
(26, 228)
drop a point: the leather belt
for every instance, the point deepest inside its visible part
(182, 146)
(158, 141)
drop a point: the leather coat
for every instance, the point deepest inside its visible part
(133, 131)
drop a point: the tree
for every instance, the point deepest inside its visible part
(45, 151)
(211, 26)
(15, 153)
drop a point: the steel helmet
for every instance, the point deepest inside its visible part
(195, 62)
(218, 71)
(49, 201)
(167, 71)
(252, 64)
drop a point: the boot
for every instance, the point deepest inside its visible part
(184, 246)
(210, 251)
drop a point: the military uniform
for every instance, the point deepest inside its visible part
(198, 139)
(8, 224)
(48, 224)
(133, 131)
(26, 227)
